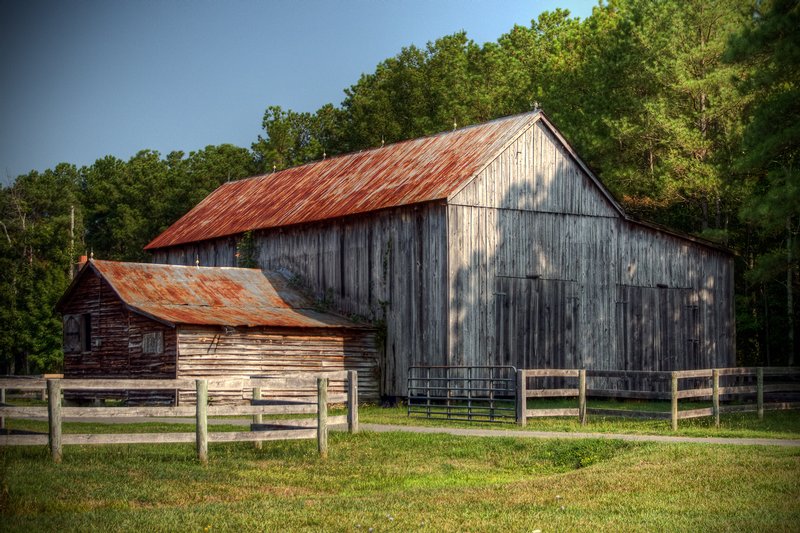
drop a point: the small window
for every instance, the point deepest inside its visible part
(77, 333)
(153, 343)
(72, 334)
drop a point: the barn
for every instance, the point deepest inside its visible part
(492, 244)
(147, 321)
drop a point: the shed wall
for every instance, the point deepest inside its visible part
(116, 341)
(116, 337)
(208, 352)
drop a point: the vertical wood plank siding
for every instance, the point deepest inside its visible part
(388, 266)
(544, 273)
(207, 352)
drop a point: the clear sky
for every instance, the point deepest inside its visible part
(84, 79)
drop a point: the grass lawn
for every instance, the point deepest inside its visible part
(404, 482)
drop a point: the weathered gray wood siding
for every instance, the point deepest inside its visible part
(215, 252)
(389, 267)
(544, 272)
(208, 352)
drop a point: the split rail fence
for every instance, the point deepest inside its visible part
(277, 429)
(702, 385)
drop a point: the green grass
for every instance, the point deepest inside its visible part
(403, 482)
(776, 424)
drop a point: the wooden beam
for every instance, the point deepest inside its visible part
(322, 416)
(674, 390)
(760, 392)
(352, 401)
(715, 396)
(257, 418)
(54, 418)
(202, 421)
(582, 396)
(522, 398)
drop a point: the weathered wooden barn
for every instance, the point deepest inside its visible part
(488, 245)
(131, 320)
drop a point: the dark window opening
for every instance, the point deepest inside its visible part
(86, 332)
(78, 333)
(72, 334)
(153, 343)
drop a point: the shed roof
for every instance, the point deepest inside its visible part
(208, 295)
(404, 173)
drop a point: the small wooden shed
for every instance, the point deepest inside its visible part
(134, 320)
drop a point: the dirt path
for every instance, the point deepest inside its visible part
(382, 428)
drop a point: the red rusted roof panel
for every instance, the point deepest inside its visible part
(213, 295)
(409, 172)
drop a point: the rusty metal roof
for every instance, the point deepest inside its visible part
(409, 172)
(209, 295)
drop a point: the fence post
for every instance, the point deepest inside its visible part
(674, 397)
(582, 396)
(522, 398)
(352, 401)
(2, 401)
(715, 395)
(202, 420)
(322, 416)
(760, 392)
(54, 418)
(257, 419)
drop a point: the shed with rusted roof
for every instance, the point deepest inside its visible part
(132, 320)
(492, 244)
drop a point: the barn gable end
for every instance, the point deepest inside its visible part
(546, 271)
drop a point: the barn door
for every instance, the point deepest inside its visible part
(536, 322)
(657, 328)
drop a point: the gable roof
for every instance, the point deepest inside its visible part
(415, 171)
(207, 295)
(409, 172)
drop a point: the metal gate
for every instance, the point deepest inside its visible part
(469, 393)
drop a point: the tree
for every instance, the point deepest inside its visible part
(661, 119)
(771, 147)
(289, 139)
(41, 223)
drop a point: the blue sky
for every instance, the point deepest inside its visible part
(84, 79)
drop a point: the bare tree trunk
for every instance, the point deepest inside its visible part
(766, 325)
(790, 289)
(71, 241)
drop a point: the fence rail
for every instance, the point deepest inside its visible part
(712, 391)
(278, 430)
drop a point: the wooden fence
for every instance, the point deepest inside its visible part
(281, 429)
(703, 385)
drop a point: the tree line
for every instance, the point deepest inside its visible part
(688, 112)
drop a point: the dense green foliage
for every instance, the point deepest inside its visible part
(686, 110)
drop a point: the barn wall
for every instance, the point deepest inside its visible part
(389, 267)
(216, 252)
(208, 352)
(543, 272)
